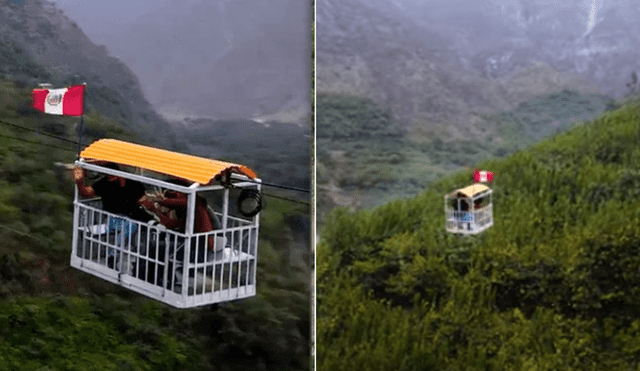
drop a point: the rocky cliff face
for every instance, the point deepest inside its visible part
(57, 43)
(597, 39)
(384, 50)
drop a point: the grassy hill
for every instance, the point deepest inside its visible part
(553, 285)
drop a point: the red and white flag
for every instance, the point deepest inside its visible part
(67, 101)
(483, 176)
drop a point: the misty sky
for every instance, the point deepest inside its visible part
(209, 58)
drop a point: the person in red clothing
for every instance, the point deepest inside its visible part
(178, 201)
(477, 205)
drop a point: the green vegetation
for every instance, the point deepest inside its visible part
(55, 317)
(546, 115)
(278, 152)
(362, 150)
(62, 333)
(353, 118)
(553, 285)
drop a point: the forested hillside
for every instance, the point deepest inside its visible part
(366, 158)
(279, 152)
(553, 285)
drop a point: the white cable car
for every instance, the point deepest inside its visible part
(182, 268)
(469, 210)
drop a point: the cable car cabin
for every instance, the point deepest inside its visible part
(469, 210)
(190, 240)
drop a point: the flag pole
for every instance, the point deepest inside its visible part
(81, 126)
(80, 130)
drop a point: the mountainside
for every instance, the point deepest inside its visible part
(365, 52)
(278, 152)
(221, 59)
(597, 39)
(365, 159)
(552, 285)
(463, 81)
(51, 40)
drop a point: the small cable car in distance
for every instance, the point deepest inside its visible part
(168, 255)
(469, 210)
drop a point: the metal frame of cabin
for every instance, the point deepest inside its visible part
(179, 269)
(472, 221)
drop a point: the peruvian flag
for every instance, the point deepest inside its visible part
(67, 101)
(483, 176)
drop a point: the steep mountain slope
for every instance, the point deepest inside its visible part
(553, 284)
(278, 152)
(594, 38)
(55, 42)
(365, 52)
(464, 81)
(365, 160)
(379, 52)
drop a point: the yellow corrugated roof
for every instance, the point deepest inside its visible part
(193, 168)
(473, 189)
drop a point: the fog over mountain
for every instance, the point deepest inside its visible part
(217, 59)
(599, 39)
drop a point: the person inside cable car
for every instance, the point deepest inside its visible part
(171, 210)
(464, 206)
(477, 204)
(465, 216)
(119, 195)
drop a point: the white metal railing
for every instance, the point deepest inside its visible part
(484, 217)
(468, 222)
(180, 269)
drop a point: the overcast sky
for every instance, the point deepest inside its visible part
(214, 58)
